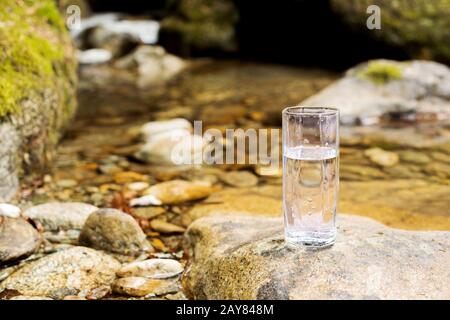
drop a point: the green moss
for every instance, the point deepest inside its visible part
(381, 72)
(27, 58)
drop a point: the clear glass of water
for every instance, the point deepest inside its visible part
(310, 175)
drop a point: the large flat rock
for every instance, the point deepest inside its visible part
(243, 257)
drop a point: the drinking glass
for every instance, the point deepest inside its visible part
(310, 175)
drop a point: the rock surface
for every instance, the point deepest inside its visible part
(257, 201)
(57, 216)
(391, 89)
(236, 257)
(69, 272)
(37, 88)
(18, 239)
(113, 231)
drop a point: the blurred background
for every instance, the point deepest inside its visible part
(91, 91)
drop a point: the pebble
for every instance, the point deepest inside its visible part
(239, 179)
(152, 268)
(114, 231)
(165, 227)
(94, 56)
(154, 127)
(382, 157)
(441, 156)
(174, 192)
(128, 177)
(109, 168)
(138, 186)
(140, 287)
(414, 157)
(9, 210)
(148, 212)
(66, 183)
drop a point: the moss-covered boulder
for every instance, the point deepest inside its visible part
(37, 87)
(421, 27)
(199, 26)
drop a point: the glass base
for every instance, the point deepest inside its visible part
(311, 239)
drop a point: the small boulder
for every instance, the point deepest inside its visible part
(114, 231)
(56, 216)
(18, 239)
(68, 272)
(241, 257)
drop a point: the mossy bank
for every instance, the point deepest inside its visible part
(420, 27)
(37, 87)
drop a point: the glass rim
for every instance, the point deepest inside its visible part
(312, 111)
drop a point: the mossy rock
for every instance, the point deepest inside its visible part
(199, 26)
(420, 27)
(37, 86)
(381, 72)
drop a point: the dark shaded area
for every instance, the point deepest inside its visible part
(299, 32)
(304, 32)
(154, 8)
